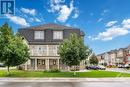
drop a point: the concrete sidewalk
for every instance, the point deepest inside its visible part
(121, 70)
(64, 79)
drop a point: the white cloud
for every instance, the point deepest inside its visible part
(76, 13)
(30, 15)
(65, 12)
(126, 23)
(114, 31)
(62, 10)
(28, 11)
(89, 37)
(104, 12)
(55, 5)
(111, 33)
(18, 20)
(111, 23)
(37, 20)
(34, 19)
(100, 19)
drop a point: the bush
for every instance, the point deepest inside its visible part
(53, 70)
(111, 66)
(20, 68)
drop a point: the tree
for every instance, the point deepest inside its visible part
(72, 50)
(93, 60)
(13, 51)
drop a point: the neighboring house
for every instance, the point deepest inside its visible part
(106, 58)
(121, 55)
(112, 57)
(127, 60)
(116, 57)
(43, 42)
(100, 58)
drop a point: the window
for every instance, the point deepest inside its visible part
(39, 35)
(57, 34)
(39, 62)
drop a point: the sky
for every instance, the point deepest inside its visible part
(106, 23)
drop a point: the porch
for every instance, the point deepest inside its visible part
(45, 64)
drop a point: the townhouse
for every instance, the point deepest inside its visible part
(127, 59)
(115, 57)
(43, 42)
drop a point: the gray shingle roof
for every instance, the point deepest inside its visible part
(50, 26)
(28, 33)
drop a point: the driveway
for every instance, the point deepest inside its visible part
(118, 70)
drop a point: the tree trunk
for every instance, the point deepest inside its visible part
(74, 71)
(68, 68)
(8, 70)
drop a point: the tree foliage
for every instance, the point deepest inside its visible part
(93, 60)
(13, 51)
(72, 51)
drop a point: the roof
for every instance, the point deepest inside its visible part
(50, 26)
(28, 33)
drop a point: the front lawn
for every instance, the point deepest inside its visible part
(91, 74)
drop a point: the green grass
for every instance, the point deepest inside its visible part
(91, 74)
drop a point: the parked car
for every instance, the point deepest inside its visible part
(121, 66)
(92, 67)
(127, 66)
(99, 67)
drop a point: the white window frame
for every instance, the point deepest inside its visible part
(57, 35)
(39, 35)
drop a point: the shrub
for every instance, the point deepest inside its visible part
(53, 70)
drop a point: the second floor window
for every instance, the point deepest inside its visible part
(39, 35)
(57, 34)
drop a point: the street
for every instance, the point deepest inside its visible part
(65, 84)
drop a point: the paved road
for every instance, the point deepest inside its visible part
(65, 84)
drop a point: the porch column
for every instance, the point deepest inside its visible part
(35, 63)
(58, 64)
(47, 64)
